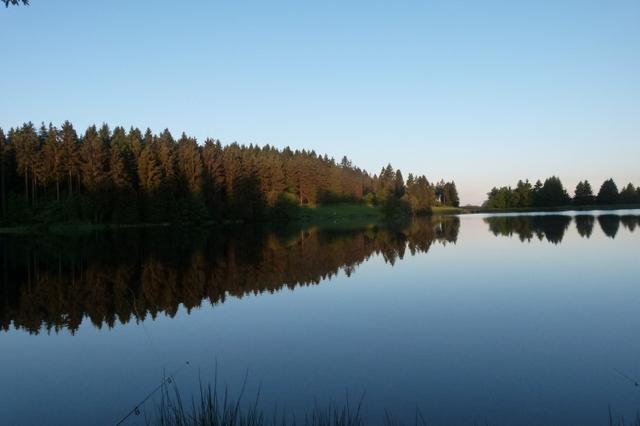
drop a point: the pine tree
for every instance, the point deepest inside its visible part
(25, 145)
(149, 170)
(69, 154)
(450, 195)
(628, 194)
(3, 161)
(213, 161)
(398, 184)
(608, 193)
(52, 157)
(118, 159)
(189, 163)
(552, 193)
(583, 194)
(93, 160)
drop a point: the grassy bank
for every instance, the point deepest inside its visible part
(441, 210)
(323, 215)
(342, 214)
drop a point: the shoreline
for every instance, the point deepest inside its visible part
(551, 209)
(350, 215)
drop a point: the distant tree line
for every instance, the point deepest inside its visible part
(54, 174)
(552, 193)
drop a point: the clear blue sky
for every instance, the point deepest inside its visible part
(483, 92)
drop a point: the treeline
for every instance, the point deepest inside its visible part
(552, 193)
(115, 277)
(119, 176)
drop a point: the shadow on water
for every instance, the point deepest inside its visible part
(54, 283)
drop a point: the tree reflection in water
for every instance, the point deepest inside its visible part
(53, 283)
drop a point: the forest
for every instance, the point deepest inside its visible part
(53, 175)
(552, 193)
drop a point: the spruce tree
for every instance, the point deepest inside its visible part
(628, 194)
(608, 193)
(93, 160)
(3, 190)
(52, 157)
(583, 194)
(69, 154)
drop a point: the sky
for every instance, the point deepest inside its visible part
(481, 92)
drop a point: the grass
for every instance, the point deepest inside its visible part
(342, 212)
(443, 210)
(212, 407)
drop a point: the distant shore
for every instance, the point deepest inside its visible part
(330, 215)
(339, 214)
(473, 209)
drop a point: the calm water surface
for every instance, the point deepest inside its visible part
(517, 319)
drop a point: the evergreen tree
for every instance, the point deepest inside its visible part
(450, 195)
(628, 195)
(608, 193)
(25, 145)
(189, 164)
(552, 193)
(118, 162)
(52, 157)
(3, 161)
(524, 194)
(583, 194)
(215, 184)
(92, 161)
(149, 170)
(398, 184)
(69, 154)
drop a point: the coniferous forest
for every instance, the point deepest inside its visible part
(552, 193)
(52, 174)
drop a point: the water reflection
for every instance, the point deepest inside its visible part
(552, 228)
(50, 284)
(609, 224)
(584, 224)
(54, 283)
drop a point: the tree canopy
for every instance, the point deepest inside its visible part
(552, 193)
(608, 193)
(128, 176)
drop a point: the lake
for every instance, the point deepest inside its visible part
(513, 319)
